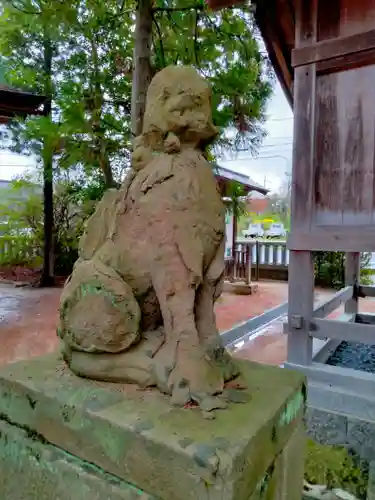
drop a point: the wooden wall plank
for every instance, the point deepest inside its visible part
(356, 16)
(344, 163)
(329, 14)
(327, 165)
(357, 128)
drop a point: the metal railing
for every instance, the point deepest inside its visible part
(250, 258)
(336, 389)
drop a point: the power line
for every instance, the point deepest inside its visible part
(279, 119)
(277, 144)
(257, 158)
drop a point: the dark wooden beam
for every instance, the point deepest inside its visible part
(336, 47)
(275, 41)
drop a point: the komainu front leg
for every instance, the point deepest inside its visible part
(207, 294)
(182, 368)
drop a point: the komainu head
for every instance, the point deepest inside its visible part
(179, 107)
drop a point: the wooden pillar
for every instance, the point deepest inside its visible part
(352, 277)
(301, 263)
(300, 307)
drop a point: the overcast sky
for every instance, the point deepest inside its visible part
(275, 155)
(267, 169)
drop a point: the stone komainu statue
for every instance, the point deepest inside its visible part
(139, 305)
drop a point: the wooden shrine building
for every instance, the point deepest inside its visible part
(323, 52)
(15, 103)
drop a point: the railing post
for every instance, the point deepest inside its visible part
(257, 260)
(352, 277)
(248, 264)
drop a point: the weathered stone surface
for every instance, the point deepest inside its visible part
(34, 470)
(139, 306)
(325, 427)
(240, 288)
(361, 437)
(172, 453)
(322, 492)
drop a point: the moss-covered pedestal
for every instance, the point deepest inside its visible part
(65, 438)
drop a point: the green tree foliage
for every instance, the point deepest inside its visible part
(89, 77)
(91, 102)
(224, 47)
(92, 43)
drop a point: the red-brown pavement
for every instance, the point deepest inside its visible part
(28, 316)
(28, 319)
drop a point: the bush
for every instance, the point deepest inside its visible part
(330, 269)
(22, 212)
(19, 251)
(335, 467)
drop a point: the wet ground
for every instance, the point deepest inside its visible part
(28, 319)
(28, 316)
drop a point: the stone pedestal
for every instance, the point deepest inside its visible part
(240, 287)
(65, 438)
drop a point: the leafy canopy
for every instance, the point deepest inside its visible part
(92, 42)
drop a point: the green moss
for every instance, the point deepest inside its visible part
(333, 466)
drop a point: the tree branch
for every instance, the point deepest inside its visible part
(196, 38)
(178, 9)
(161, 46)
(33, 13)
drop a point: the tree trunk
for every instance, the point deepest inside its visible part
(142, 64)
(98, 130)
(47, 278)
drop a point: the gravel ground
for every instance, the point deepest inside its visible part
(354, 355)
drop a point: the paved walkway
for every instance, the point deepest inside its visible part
(28, 316)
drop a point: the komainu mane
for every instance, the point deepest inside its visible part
(139, 305)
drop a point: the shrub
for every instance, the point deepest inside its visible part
(335, 467)
(22, 212)
(330, 269)
(19, 251)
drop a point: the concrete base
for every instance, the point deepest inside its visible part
(240, 287)
(66, 438)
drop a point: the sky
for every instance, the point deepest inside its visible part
(267, 169)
